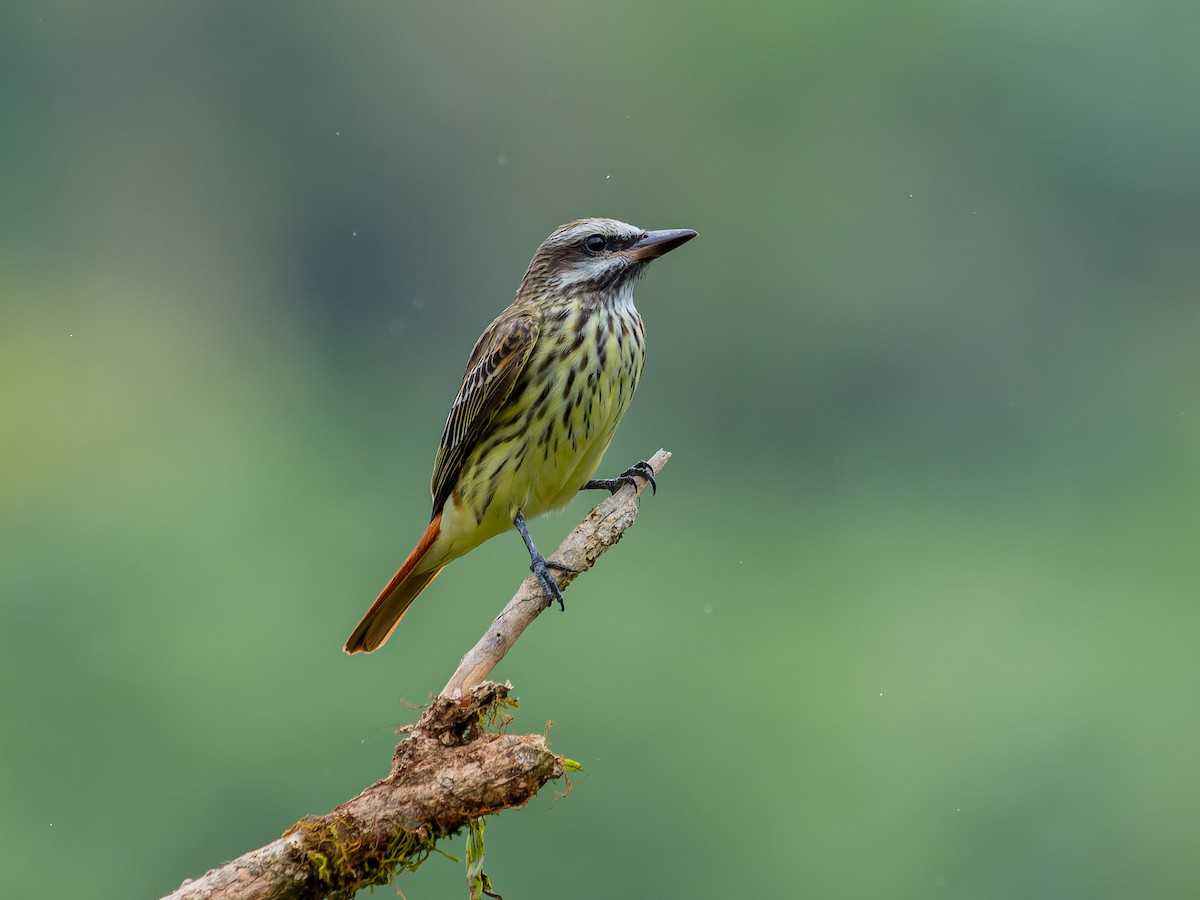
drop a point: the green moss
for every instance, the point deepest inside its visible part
(343, 863)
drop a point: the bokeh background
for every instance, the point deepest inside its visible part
(914, 613)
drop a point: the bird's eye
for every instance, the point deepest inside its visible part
(595, 243)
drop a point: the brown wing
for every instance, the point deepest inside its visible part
(497, 360)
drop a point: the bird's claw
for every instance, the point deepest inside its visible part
(640, 469)
(540, 567)
(629, 476)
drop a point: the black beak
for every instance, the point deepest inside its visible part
(656, 243)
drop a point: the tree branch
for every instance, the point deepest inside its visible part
(599, 530)
(449, 771)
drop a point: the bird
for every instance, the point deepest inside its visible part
(546, 386)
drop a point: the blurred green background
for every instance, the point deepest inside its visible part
(914, 611)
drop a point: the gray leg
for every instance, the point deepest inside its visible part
(538, 565)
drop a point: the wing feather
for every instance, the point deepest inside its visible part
(498, 358)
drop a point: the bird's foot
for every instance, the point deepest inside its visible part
(540, 567)
(629, 476)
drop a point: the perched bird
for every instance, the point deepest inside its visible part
(545, 388)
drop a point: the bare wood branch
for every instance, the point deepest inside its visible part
(601, 529)
(449, 771)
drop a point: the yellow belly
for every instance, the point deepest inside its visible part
(541, 454)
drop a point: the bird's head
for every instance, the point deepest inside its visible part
(597, 256)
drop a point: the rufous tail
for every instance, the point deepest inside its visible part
(394, 600)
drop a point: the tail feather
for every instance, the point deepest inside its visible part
(393, 601)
